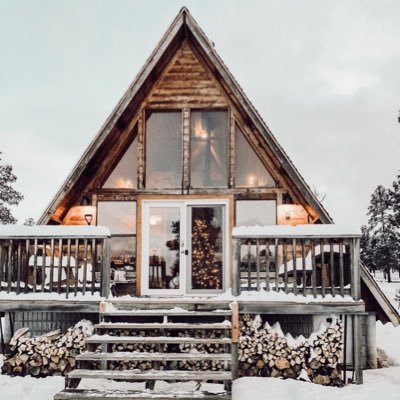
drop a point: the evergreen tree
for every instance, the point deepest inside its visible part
(395, 200)
(8, 195)
(366, 250)
(384, 241)
(29, 222)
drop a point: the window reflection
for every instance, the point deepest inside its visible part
(118, 216)
(164, 150)
(255, 212)
(209, 149)
(249, 170)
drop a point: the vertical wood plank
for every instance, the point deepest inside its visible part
(68, 267)
(276, 265)
(105, 267)
(267, 285)
(285, 270)
(232, 146)
(236, 273)
(19, 266)
(27, 267)
(314, 270)
(357, 349)
(304, 266)
(43, 269)
(10, 264)
(249, 265)
(35, 257)
(2, 262)
(186, 148)
(76, 275)
(294, 255)
(332, 266)
(94, 264)
(235, 322)
(85, 254)
(323, 269)
(60, 263)
(341, 267)
(355, 268)
(258, 264)
(52, 249)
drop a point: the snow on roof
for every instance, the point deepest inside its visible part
(320, 230)
(72, 231)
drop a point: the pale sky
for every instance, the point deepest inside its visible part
(325, 76)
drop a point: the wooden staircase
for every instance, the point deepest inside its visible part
(172, 336)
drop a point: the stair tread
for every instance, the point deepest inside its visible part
(155, 339)
(174, 375)
(159, 325)
(125, 355)
(81, 394)
(165, 312)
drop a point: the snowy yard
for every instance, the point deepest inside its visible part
(376, 382)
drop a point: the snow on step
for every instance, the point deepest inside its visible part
(127, 325)
(129, 356)
(81, 394)
(137, 375)
(155, 339)
(170, 311)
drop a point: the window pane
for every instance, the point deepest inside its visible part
(164, 150)
(118, 216)
(124, 175)
(123, 252)
(249, 170)
(207, 247)
(209, 149)
(255, 212)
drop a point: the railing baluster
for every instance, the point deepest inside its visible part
(10, 264)
(85, 244)
(314, 270)
(1, 264)
(341, 267)
(303, 262)
(267, 288)
(68, 267)
(294, 255)
(248, 265)
(94, 260)
(332, 267)
(60, 263)
(258, 264)
(19, 266)
(323, 269)
(51, 264)
(35, 257)
(26, 264)
(285, 271)
(44, 243)
(76, 267)
(276, 265)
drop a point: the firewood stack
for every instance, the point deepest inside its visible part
(266, 351)
(48, 354)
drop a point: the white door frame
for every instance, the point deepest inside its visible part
(184, 260)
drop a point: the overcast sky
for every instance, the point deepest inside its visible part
(325, 76)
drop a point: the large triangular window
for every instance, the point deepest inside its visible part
(249, 170)
(124, 175)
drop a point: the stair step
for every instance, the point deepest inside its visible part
(82, 394)
(155, 375)
(170, 325)
(131, 356)
(156, 339)
(166, 312)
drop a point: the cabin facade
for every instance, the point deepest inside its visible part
(162, 209)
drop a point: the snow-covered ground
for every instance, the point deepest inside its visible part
(381, 382)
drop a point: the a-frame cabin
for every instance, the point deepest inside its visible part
(198, 201)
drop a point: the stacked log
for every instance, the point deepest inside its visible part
(50, 354)
(266, 351)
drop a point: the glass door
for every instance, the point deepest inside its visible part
(163, 269)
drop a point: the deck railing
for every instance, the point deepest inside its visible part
(311, 261)
(55, 259)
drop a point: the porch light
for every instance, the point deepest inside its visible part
(80, 215)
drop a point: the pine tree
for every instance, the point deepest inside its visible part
(395, 200)
(366, 250)
(8, 195)
(384, 240)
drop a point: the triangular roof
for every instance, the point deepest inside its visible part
(182, 27)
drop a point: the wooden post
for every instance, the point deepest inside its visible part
(372, 356)
(105, 268)
(235, 267)
(355, 268)
(357, 349)
(235, 339)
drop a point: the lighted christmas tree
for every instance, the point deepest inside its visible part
(206, 268)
